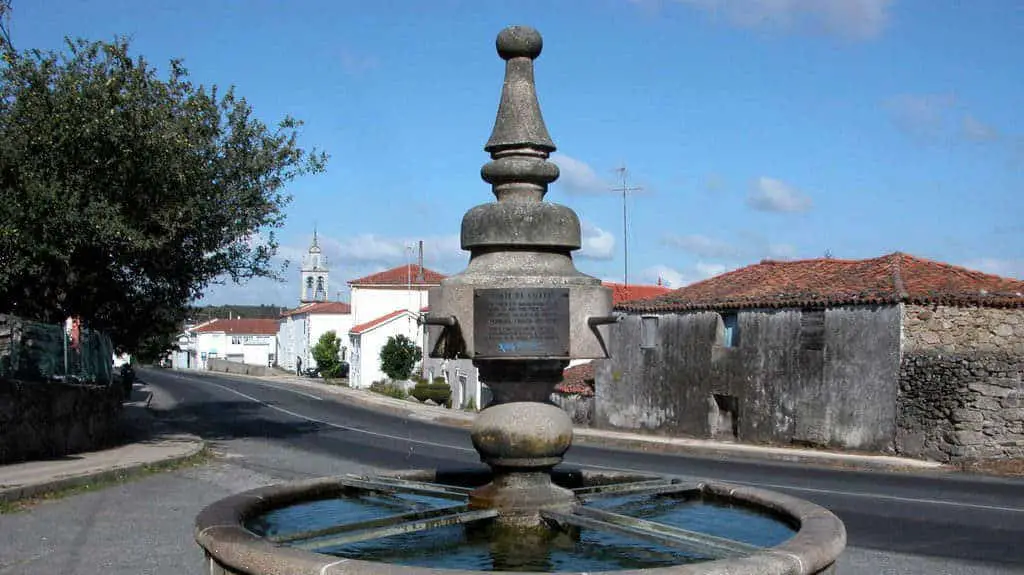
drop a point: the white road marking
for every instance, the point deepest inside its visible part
(924, 501)
(295, 391)
(898, 498)
(335, 425)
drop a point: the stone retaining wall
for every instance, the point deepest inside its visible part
(225, 366)
(963, 329)
(41, 420)
(961, 407)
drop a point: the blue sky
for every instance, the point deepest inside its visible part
(756, 128)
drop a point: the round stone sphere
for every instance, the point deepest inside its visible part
(522, 434)
(519, 42)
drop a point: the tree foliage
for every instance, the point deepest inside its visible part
(327, 353)
(124, 195)
(398, 357)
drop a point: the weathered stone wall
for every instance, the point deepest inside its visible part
(225, 366)
(40, 420)
(961, 407)
(580, 408)
(773, 387)
(963, 330)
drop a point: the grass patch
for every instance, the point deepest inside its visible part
(389, 389)
(78, 486)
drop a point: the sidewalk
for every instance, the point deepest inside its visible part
(616, 439)
(147, 447)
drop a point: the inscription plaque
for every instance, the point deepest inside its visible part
(521, 323)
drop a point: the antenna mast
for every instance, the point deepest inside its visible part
(625, 189)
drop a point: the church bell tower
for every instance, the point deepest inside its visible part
(314, 274)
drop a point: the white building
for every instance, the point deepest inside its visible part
(300, 329)
(377, 300)
(369, 338)
(248, 341)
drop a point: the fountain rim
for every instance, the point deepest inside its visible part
(219, 530)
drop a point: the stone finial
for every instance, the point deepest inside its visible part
(519, 144)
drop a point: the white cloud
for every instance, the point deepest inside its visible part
(577, 177)
(598, 244)
(702, 246)
(347, 258)
(852, 19)
(391, 251)
(977, 131)
(670, 277)
(1000, 267)
(675, 278)
(706, 269)
(771, 195)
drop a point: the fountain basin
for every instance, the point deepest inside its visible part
(234, 544)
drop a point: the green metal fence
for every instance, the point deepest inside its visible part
(44, 352)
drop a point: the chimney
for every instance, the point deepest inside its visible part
(419, 261)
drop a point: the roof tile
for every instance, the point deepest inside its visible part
(577, 380)
(400, 276)
(892, 278)
(367, 326)
(339, 307)
(240, 326)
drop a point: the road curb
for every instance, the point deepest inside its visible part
(119, 472)
(595, 438)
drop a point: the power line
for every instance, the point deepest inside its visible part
(625, 189)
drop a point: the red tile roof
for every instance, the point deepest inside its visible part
(577, 380)
(400, 276)
(240, 326)
(893, 278)
(320, 307)
(367, 326)
(623, 293)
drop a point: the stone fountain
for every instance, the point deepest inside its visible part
(521, 311)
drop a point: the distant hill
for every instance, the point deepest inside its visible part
(208, 312)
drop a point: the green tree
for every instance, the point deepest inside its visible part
(124, 195)
(398, 357)
(326, 353)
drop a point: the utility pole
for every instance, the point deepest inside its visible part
(625, 189)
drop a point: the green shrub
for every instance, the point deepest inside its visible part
(399, 356)
(389, 389)
(439, 392)
(326, 353)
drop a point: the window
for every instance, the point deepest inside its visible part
(812, 329)
(649, 332)
(309, 282)
(730, 330)
(235, 340)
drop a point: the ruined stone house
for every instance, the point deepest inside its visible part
(895, 354)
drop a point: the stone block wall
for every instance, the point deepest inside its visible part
(40, 420)
(225, 366)
(960, 330)
(961, 407)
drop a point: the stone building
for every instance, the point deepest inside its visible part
(891, 354)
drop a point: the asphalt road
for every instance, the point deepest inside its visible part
(943, 519)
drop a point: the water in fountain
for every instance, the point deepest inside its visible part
(643, 523)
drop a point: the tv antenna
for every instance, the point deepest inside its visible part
(625, 189)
